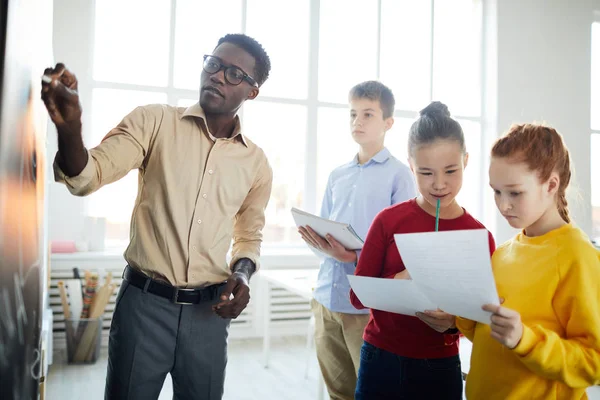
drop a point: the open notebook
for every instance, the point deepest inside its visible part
(342, 232)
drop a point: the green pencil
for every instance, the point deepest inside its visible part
(437, 215)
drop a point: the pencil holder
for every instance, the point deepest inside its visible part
(84, 337)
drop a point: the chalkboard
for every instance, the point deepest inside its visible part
(23, 124)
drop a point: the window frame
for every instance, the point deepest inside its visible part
(311, 197)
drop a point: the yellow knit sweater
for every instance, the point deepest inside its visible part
(553, 281)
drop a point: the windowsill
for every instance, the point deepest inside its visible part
(271, 256)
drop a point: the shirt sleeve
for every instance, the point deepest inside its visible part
(327, 202)
(466, 327)
(492, 243)
(572, 358)
(124, 148)
(372, 257)
(250, 219)
(404, 187)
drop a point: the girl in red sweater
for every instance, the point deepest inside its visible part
(406, 357)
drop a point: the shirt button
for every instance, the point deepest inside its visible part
(199, 221)
(210, 171)
(204, 195)
(335, 285)
(194, 247)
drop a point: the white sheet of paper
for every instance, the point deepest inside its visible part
(394, 295)
(453, 269)
(75, 299)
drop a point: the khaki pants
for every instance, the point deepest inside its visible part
(338, 339)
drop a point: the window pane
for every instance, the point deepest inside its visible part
(596, 76)
(186, 102)
(471, 195)
(457, 56)
(595, 164)
(335, 145)
(288, 52)
(129, 48)
(268, 125)
(396, 139)
(115, 201)
(199, 26)
(406, 51)
(347, 47)
(196, 36)
(109, 106)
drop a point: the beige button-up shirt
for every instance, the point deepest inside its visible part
(195, 192)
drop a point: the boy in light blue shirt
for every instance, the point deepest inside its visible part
(355, 193)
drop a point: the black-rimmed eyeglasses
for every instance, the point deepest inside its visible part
(233, 75)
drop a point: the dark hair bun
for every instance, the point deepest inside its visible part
(435, 109)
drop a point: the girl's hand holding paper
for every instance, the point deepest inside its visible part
(403, 275)
(506, 324)
(437, 320)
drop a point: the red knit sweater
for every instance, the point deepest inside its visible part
(401, 334)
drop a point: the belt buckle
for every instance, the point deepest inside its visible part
(175, 298)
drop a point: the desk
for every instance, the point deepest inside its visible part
(298, 281)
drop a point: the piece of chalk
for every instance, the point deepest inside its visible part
(46, 78)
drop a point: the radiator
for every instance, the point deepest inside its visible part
(289, 313)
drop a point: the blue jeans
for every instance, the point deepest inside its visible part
(384, 375)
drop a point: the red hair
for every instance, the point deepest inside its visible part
(543, 150)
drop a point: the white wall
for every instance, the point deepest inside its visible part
(537, 68)
(543, 74)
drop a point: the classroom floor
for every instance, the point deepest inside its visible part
(284, 379)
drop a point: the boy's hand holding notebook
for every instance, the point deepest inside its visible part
(327, 245)
(343, 233)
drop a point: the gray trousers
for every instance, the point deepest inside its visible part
(150, 337)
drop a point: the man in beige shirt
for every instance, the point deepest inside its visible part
(201, 183)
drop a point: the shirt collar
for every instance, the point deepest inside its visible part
(196, 110)
(379, 158)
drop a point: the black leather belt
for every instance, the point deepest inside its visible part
(172, 293)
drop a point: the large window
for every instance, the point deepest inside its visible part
(319, 49)
(595, 139)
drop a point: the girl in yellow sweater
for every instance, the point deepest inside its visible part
(544, 340)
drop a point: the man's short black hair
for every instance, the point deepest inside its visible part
(255, 49)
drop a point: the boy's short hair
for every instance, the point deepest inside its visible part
(375, 90)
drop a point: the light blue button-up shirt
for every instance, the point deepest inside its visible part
(355, 194)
